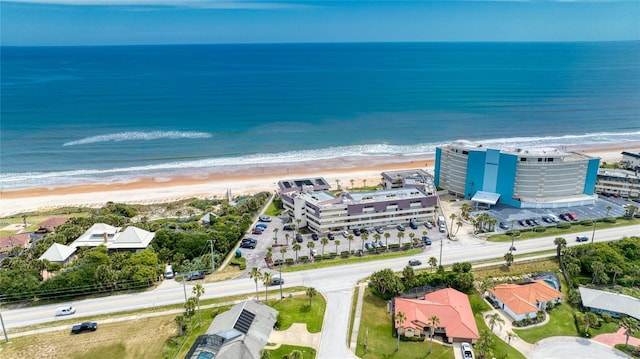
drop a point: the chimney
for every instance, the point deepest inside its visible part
(106, 237)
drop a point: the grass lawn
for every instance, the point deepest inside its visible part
(566, 233)
(140, 338)
(629, 350)
(376, 329)
(272, 210)
(309, 353)
(296, 310)
(353, 259)
(499, 347)
(532, 266)
(560, 324)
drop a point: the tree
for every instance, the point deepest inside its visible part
(310, 245)
(337, 243)
(256, 275)
(386, 239)
(433, 262)
(616, 271)
(458, 225)
(352, 182)
(311, 292)
(510, 335)
(508, 257)
(265, 354)
(198, 291)
(598, 274)
(275, 235)
(485, 341)
(267, 279)
(386, 283)
(296, 247)
(190, 306)
(453, 218)
(296, 354)
(400, 319)
(286, 239)
(631, 326)
(608, 208)
(409, 277)
(589, 320)
(182, 323)
(400, 237)
(494, 319)
(324, 241)
(561, 244)
(350, 239)
(435, 322)
(485, 285)
(634, 272)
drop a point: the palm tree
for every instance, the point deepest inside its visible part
(324, 241)
(615, 270)
(267, 279)
(608, 209)
(485, 285)
(631, 210)
(435, 322)
(510, 335)
(508, 257)
(352, 182)
(561, 244)
(364, 182)
(190, 306)
(338, 184)
(458, 225)
(283, 251)
(634, 272)
(296, 247)
(387, 235)
(485, 340)
(350, 239)
(275, 235)
(453, 218)
(400, 319)
(198, 291)
(412, 236)
(24, 220)
(598, 275)
(433, 262)
(464, 210)
(296, 354)
(286, 238)
(311, 292)
(494, 319)
(297, 227)
(631, 326)
(181, 321)
(589, 320)
(400, 237)
(310, 245)
(337, 243)
(256, 275)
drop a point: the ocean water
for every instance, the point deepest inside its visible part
(73, 115)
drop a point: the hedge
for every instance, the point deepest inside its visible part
(240, 262)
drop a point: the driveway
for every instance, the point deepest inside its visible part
(571, 347)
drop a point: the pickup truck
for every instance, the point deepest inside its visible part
(84, 327)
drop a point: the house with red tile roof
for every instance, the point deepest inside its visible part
(456, 321)
(524, 300)
(14, 240)
(52, 222)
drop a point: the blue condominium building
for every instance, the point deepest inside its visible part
(521, 177)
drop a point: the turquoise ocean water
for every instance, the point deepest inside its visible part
(74, 115)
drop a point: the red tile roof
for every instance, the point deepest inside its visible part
(52, 222)
(15, 240)
(451, 306)
(522, 298)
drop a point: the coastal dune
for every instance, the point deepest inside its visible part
(239, 181)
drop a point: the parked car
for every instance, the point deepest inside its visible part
(535, 221)
(414, 262)
(365, 230)
(522, 222)
(288, 227)
(504, 225)
(547, 219)
(345, 234)
(264, 219)
(65, 311)
(572, 216)
(529, 222)
(261, 225)
(368, 246)
(428, 225)
(248, 245)
(84, 327)
(314, 236)
(257, 230)
(413, 225)
(467, 352)
(563, 217)
(442, 228)
(277, 281)
(41, 230)
(582, 239)
(195, 275)
(314, 252)
(381, 244)
(298, 237)
(374, 244)
(426, 240)
(379, 230)
(331, 236)
(356, 232)
(400, 227)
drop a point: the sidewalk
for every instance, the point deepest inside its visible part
(356, 318)
(501, 330)
(297, 335)
(619, 337)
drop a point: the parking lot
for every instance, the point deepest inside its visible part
(512, 217)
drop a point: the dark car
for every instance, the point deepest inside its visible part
(582, 239)
(195, 275)
(248, 243)
(547, 219)
(414, 262)
(413, 225)
(331, 236)
(298, 238)
(257, 230)
(504, 225)
(529, 222)
(264, 219)
(563, 217)
(314, 236)
(277, 281)
(535, 221)
(84, 327)
(356, 232)
(261, 225)
(365, 230)
(400, 227)
(426, 240)
(522, 222)
(288, 227)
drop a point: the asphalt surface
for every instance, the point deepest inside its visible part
(572, 347)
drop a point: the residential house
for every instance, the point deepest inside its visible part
(131, 239)
(59, 253)
(614, 304)
(51, 223)
(15, 240)
(524, 300)
(456, 321)
(239, 333)
(631, 160)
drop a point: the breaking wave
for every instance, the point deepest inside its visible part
(139, 136)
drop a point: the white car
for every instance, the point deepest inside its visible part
(467, 352)
(65, 311)
(345, 234)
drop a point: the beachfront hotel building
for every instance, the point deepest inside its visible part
(312, 205)
(522, 177)
(618, 183)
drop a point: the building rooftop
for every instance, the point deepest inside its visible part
(290, 185)
(631, 154)
(522, 298)
(57, 253)
(613, 302)
(548, 152)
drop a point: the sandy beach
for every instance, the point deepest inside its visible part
(240, 181)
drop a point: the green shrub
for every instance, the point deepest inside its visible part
(609, 220)
(586, 222)
(512, 232)
(303, 259)
(289, 261)
(394, 246)
(540, 229)
(241, 262)
(563, 225)
(345, 254)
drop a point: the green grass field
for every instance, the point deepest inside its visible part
(297, 310)
(284, 350)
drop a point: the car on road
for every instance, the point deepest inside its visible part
(467, 352)
(65, 311)
(426, 240)
(413, 225)
(582, 239)
(314, 236)
(414, 262)
(264, 219)
(400, 228)
(277, 281)
(84, 327)
(195, 275)
(379, 230)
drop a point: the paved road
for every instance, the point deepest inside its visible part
(336, 283)
(572, 347)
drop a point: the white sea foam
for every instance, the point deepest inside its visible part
(371, 151)
(139, 136)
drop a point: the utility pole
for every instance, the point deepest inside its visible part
(213, 259)
(4, 330)
(593, 235)
(184, 287)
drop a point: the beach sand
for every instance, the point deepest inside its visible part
(239, 181)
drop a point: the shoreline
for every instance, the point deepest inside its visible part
(239, 181)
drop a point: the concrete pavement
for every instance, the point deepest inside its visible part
(297, 335)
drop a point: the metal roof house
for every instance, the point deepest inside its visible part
(239, 333)
(58, 253)
(614, 304)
